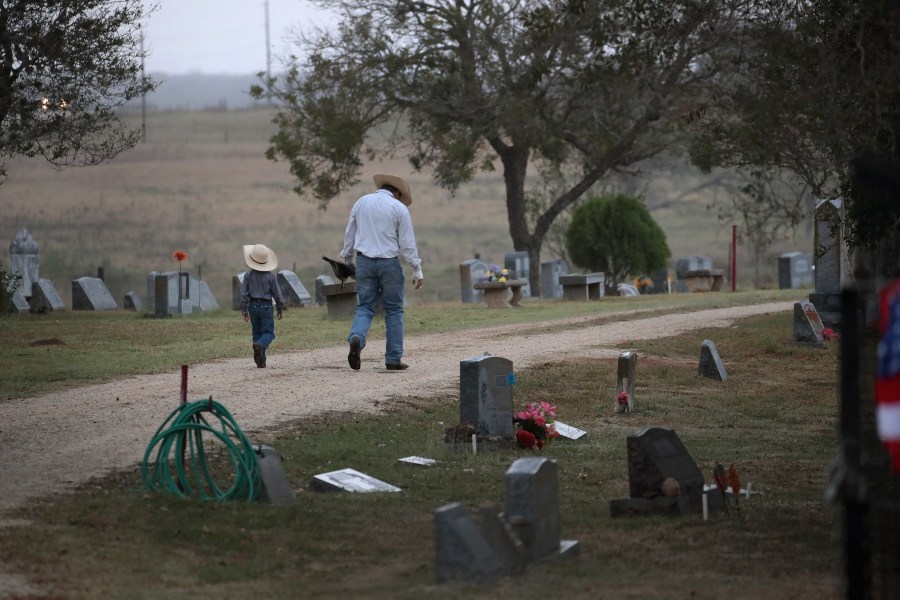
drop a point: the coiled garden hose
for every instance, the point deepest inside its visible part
(181, 461)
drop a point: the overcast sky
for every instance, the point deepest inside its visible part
(223, 36)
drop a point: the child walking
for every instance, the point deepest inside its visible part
(258, 289)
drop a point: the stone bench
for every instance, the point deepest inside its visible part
(705, 280)
(583, 286)
(497, 293)
(340, 299)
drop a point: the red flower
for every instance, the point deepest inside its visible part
(830, 334)
(180, 255)
(526, 439)
(622, 398)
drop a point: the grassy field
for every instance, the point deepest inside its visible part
(200, 183)
(774, 419)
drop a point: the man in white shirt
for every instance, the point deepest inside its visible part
(378, 233)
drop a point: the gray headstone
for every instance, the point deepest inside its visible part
(236, 290)
(321, 282)
(532, 505)
(462, 552)
(349, 480)
(485, 395)
(550, 272)
(90, 293)
(692, 263)
(625, 380)
(24, 260)
(179, 287)
(133, 302)
(275, 488)
(150, 293)
(518, 265)
(18, 302)
(471, 271)
(44, 297)
(656, 454)
(832, 271)
(795, 270)
(161, 296)
(807, 324)
(292, 289)
(710, 363)
(207, 300)
(501, 537)
(660, 282)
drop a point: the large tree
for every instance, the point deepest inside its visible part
(820, 99)
(66, 66)
(562, 90)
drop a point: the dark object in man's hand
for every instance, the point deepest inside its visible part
(341, 270)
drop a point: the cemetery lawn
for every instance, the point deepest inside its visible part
(774, 419)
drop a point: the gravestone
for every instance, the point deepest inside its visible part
(133, 302)
(341, 300)
(274, 485)
(502, 539)
(710, 363)
(485, 395)
(181, 292)
(583, 286)
(656, 455)
(205, 297)
(551, 289)
(90, 293)
(567, 431)
(349, 480)
(532, 505)
(687, 264)
(517, 263)
(292, 289)
(236, 290)
(462, 552)
(161, 296)
(832, 272)
(44, 297)
(625, 381)
(471, 271)
(321, 282)
(660, 282)
(807, 324)
(18, 302)
(795, 270)
(24, 260)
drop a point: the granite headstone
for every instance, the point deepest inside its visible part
(485, 395)
(90, 293)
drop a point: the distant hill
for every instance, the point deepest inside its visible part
(199, 92)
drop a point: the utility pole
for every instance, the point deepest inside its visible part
(143, 95)
(268, 56)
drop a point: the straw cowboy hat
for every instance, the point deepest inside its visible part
(397, 182)
(260, 257)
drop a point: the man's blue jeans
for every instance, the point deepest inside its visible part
(262, 322)
(379, 277)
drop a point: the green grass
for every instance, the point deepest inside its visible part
(774, 419)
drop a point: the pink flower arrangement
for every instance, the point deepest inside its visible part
(536, 425)
(830, 334)
(622, 398)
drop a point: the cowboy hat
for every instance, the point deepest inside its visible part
(397, 182)
(260, 257)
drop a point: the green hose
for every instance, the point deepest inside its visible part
(181, 467)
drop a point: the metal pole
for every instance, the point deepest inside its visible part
(733, 257)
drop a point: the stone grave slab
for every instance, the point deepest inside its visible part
(625, 373)
(807, 325)
(711, 365)
(349, 480)
(275, 488)
(471, 271)
(551, 271)
(133, 301)
(569, 432)
(205, 296)
(418, 460)
(501, 537)
(795, 270)
(654, 456)
(292, 289)
(518, 265)
(321, 282)
(462, 552)
(485, 395)
(583, 286)
(18, 302)
(532, 505)
(24, 260)
(341, 299)
(44, 297)
(90, 293)
(236, 281)
(832, 264)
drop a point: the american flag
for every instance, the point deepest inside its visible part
(887, 384)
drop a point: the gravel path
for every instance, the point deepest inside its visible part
(54, 442)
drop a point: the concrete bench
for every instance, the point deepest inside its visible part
(340, 299)
(583, 286)
(705, 280)
(501, 294)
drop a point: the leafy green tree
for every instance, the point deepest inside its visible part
(65, 69)
(561, 90)
(616, 235)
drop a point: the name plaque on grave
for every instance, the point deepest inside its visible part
(350, 480)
